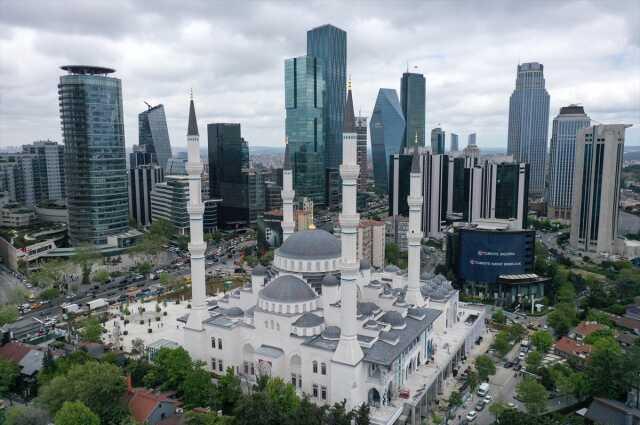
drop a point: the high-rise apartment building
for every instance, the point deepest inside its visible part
(153, 132)
(48, 170)
(528, 123)
(17, 178)
(144, 174)
(329, 44)
(562, 158)
(387, 135)
(169, 201)
(94, 154)
(361, 132)
(596, 187)
(413, 101)
(229, 173)
(453, 144)
(371, 242)
(437, 141)
(304, 125)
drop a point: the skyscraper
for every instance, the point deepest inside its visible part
(453, 144)
(144, 174)
(437, 141)
(94, 154)
(228, 172)
(329, 44)
(596, 187)
(17, 172)
(152, 131)
(387, 135)
(413, 100)
(528, 123)
(48, 169)
(304, 100)
(562, 160)
(361, 131)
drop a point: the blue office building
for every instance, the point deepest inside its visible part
(304, 99)
(329, 44)
(413, 101)
(94, 154)
(387, 129)
(437, 141)
(152, 132)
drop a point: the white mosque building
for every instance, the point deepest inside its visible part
(326, 322)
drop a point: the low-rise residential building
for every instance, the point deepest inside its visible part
(16, 216)
(28, 359)
(149, 407)
(569, 348)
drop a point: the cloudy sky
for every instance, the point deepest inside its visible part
(232, 54)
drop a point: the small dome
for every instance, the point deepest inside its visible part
(393, 318)
(426, 275)
(234, 312)
(331, 332)
(330, 280)
(367, 308)
(392, 268)
(310, 245)
(364, 264)
(288, 289)
(259, 270)
(308, 320)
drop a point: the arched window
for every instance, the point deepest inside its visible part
(323, 368)
(271, 323)
(315, 366)
(219, 343)
(277, 326)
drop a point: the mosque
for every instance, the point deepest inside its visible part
(327, 323)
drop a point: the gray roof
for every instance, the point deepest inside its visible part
(384, 353)
(393, 318)
(269, 351)
(192, 129)
(331, 332)
(392, 268)
(330, 280)
(308, 320)
(611, 412)
(288, 289)
(233, 312)
(259, 270)
(311, 245)
(32, 362)
(367, 308)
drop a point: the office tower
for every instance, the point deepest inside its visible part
(18, 178)
(272, 196)
(144, 174)
(152, 131)
(48, 170)
(472, 151)
(387, 134)
(169, 200)
(437, 141)
(228, 172)
(329, 44)
(210, 215)
(505, 194)
(413, 101)
(94, 154)
(453, 144)
(176, 167)
(371, 242)
(361, 131)
(596, 187)
(528, 123)
(562, 160)
(458, 184)
(471, 140)
(304, 125)
(399, 171)
(256, 194)
(333, 186)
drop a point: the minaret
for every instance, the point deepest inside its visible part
(197, 247)
(414, 235)
(348, 351)
(287, 196)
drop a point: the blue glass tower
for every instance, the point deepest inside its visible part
(386, 128)
(413, 100)
(152, 132)
(94, 154)
(437, 141)
(329, 44)
(304, 99)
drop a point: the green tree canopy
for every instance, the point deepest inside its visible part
(228, 392)
(76, 413)
(563, 318)
(8, 314)
(485, 367)
(170, 369)
(502, 342)
(101, 276)
(499, 316)
(26, 415)
(91, 330)
(605, 370)
(533, 395)
(9, 372)
(542, 340)
(86, 255)
(210, 418)
(534, 359)
(198, 389)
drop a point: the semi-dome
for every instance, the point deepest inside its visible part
(288, 289)
(393, 318)
(308, 320)
(331, 332)
(330, 280)
(311, 245)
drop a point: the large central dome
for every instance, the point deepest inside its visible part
(310, 245)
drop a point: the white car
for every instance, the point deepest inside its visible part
(521, 356)
(472, 415)
(511, 405)
(487, 399)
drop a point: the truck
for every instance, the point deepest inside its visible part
(70, 308)
(483, 389)
(97, 303)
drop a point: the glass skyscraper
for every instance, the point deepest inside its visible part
(94, 154)
(329, 44)
(437, 141)
(528, 123)
(152, 131)
(562, 157)
(304, 99)
(413, 100)
(387, 134)
(453, 147)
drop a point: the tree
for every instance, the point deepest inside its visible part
(85, 256)
(76, 413)
(50, 293)
(516, 332)
(199, 418)
(101, 276)
(282, 395)
(137, 346)
(542, 340)
(228, 392)
(533, 395)
(170, 369)
(91, 330)
(502, 343)
(392, 253)
(198, 390)
(566, 292)
(144, 268)
(338, 415)
(26, 415)
(8, 314)
(362, 415)
(485, 367)
(100, 386)
(472, 380)
(137, 369)
(251, 260)
(51, 273)
(605, 371)
(499, 316)
(563, 318)
(497, 408)
(9, 372)
(534, 359)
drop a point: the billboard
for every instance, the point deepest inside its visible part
(485, 255)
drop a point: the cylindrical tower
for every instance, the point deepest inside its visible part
(287, 196)
(414, 235)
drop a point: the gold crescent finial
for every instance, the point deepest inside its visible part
(349, 83)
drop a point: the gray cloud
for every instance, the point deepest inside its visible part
(232, 54)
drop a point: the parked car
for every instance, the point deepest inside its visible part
(479, 406)
(508, 364)
(472, 415)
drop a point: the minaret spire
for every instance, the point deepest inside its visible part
(414, 234)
